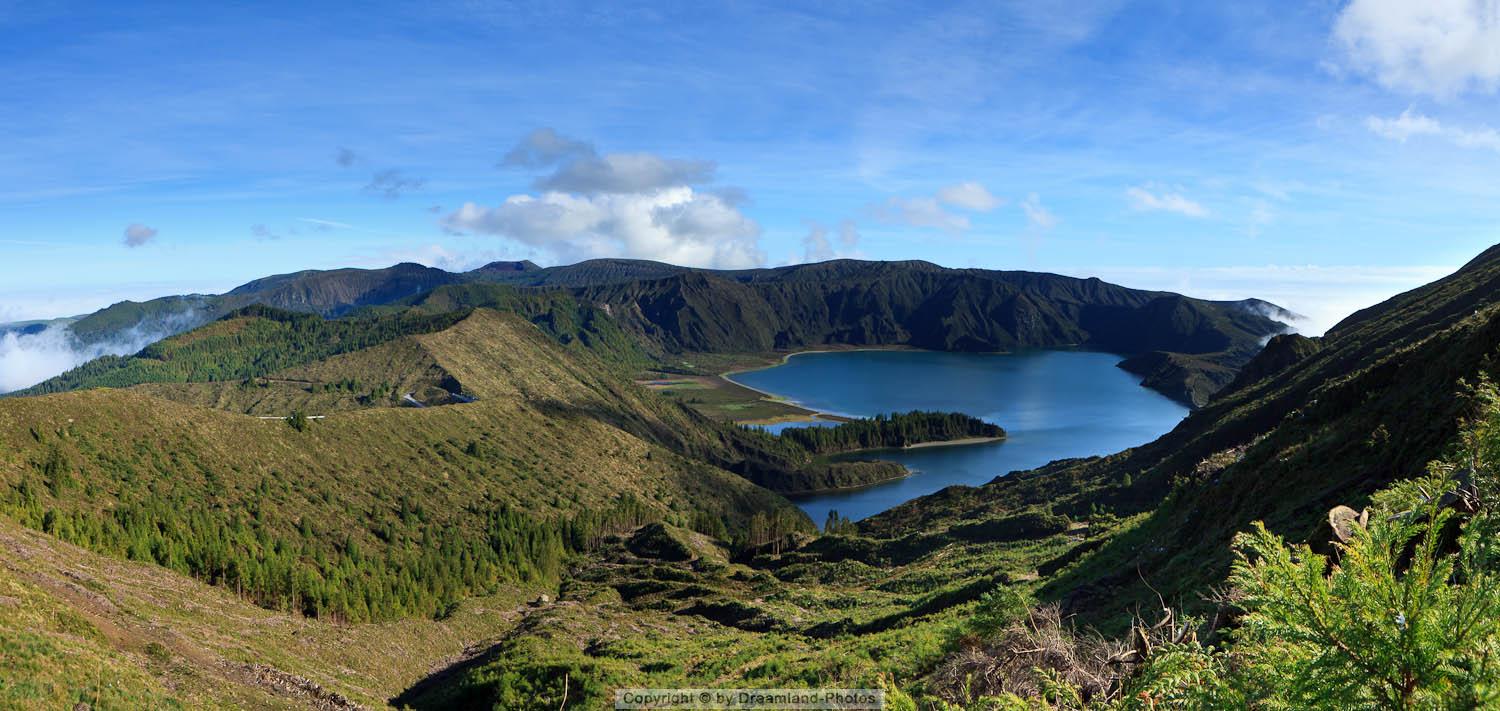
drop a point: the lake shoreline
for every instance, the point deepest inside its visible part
(1056, 404)
(875, 450)
(814, 493)
(963, 441)
(812, 415)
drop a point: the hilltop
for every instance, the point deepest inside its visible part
(669, 311)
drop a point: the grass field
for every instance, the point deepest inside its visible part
(721, 399)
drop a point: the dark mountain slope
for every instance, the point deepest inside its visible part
(922, 305)
(1327, 422)
(331, 293)
(845, 302)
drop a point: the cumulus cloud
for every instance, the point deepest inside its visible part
(1148, 199)
(137, 235)
(677, 225)
(634, 205)
(969, 196)
(1411, 124)
(819, 244)
(1435, 47)
(626, 173)
(1039, 217)
(579, 168)
(391, 184)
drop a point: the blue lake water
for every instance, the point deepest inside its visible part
(1052, 404)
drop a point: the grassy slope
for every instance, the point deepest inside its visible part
(1313, 424)
(1326, 422)
(78, 626)
(798, 620)
(374, 377)
(549, 418)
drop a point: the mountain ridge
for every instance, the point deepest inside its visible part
(676, 310)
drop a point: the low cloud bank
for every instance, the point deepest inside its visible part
(29, 358)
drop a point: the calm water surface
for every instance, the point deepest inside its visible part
(1053, 405)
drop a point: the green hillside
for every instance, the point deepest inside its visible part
(650, 314)
(345, 517)
(1327, 422)
(665, 558)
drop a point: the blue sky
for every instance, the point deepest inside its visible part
(1318, 154)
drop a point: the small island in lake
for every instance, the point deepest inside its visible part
(814, 459)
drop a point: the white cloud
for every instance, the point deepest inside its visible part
(626, 173)
(635, 205)
(326, 224)
(933, 213)
(1037, 215)
(920, 212)
(1435, 47)
(1410, 124)
(1144, 199)
(28, 359)
(579, 168)
(1323, 294)
(969, 196)
(817, 246)
(676, 225)
(137, 235)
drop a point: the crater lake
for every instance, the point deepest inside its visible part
(1052, 404)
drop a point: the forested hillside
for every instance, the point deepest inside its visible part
(378, 513)
(639, 311)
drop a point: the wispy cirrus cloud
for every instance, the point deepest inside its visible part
(935, 211)
(1148, 198)
(391, 184)
(1038, 216)
(969, 196)
(1411, 124)
(823, 243)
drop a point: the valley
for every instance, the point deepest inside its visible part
(595, 356)
(576, 508)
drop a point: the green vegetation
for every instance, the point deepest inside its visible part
(891, 431)
(636, 312)
(249, 343)
(570, 532)
(718, 397)
(383, 513)
(1403, 612)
